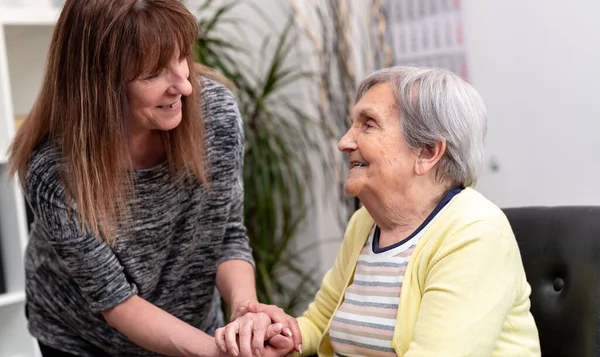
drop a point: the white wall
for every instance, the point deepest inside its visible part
(537, 65)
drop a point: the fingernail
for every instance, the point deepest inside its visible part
(277, 327)
(235, 353)
(288, 332)
(300, 348)
(257, 352)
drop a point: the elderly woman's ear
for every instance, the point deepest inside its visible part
(429, 156)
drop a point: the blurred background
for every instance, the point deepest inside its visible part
(295, 65)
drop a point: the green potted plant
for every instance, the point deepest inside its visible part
(280, 137)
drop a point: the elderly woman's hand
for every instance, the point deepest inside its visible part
(252, 331)
(290, 324)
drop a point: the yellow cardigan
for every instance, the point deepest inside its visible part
(464, 292)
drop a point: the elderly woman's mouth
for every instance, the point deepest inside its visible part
(355, 164)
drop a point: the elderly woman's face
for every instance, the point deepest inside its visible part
(380, 159)
(155, 98)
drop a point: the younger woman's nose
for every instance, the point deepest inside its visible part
(181, 87)
(180, 80)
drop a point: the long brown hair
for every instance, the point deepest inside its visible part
(97, 47)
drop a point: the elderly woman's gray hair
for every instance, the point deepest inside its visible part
(436, 104)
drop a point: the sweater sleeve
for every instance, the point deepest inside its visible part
(236, 243)
(468, 292)
(89, 261)
(315, 319)
(225, 147)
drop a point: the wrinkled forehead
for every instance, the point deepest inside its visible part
(378, 102)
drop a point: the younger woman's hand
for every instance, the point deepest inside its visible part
(253, 335)
(290, 324)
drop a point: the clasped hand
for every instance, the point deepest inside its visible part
(259, 330)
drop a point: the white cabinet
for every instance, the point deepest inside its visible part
(25, 35)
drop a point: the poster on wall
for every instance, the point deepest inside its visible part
(426, 33)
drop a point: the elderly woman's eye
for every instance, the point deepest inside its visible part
(369, 124)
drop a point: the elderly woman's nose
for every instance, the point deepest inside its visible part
(347, 142)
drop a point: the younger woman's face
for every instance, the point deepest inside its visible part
(155, 98)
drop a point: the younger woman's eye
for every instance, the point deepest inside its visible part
(154, 76)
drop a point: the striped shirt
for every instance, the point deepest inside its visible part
(365, 322)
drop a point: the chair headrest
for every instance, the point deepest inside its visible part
(560, 249)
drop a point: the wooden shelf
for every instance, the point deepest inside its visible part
(25, 36)
(40, 16)
(19, 121)
(12, 298)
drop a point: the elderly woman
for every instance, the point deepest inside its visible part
(429, 266)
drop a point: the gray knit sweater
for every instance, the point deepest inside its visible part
(180, 233)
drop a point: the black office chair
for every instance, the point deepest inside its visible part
(560, 248)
